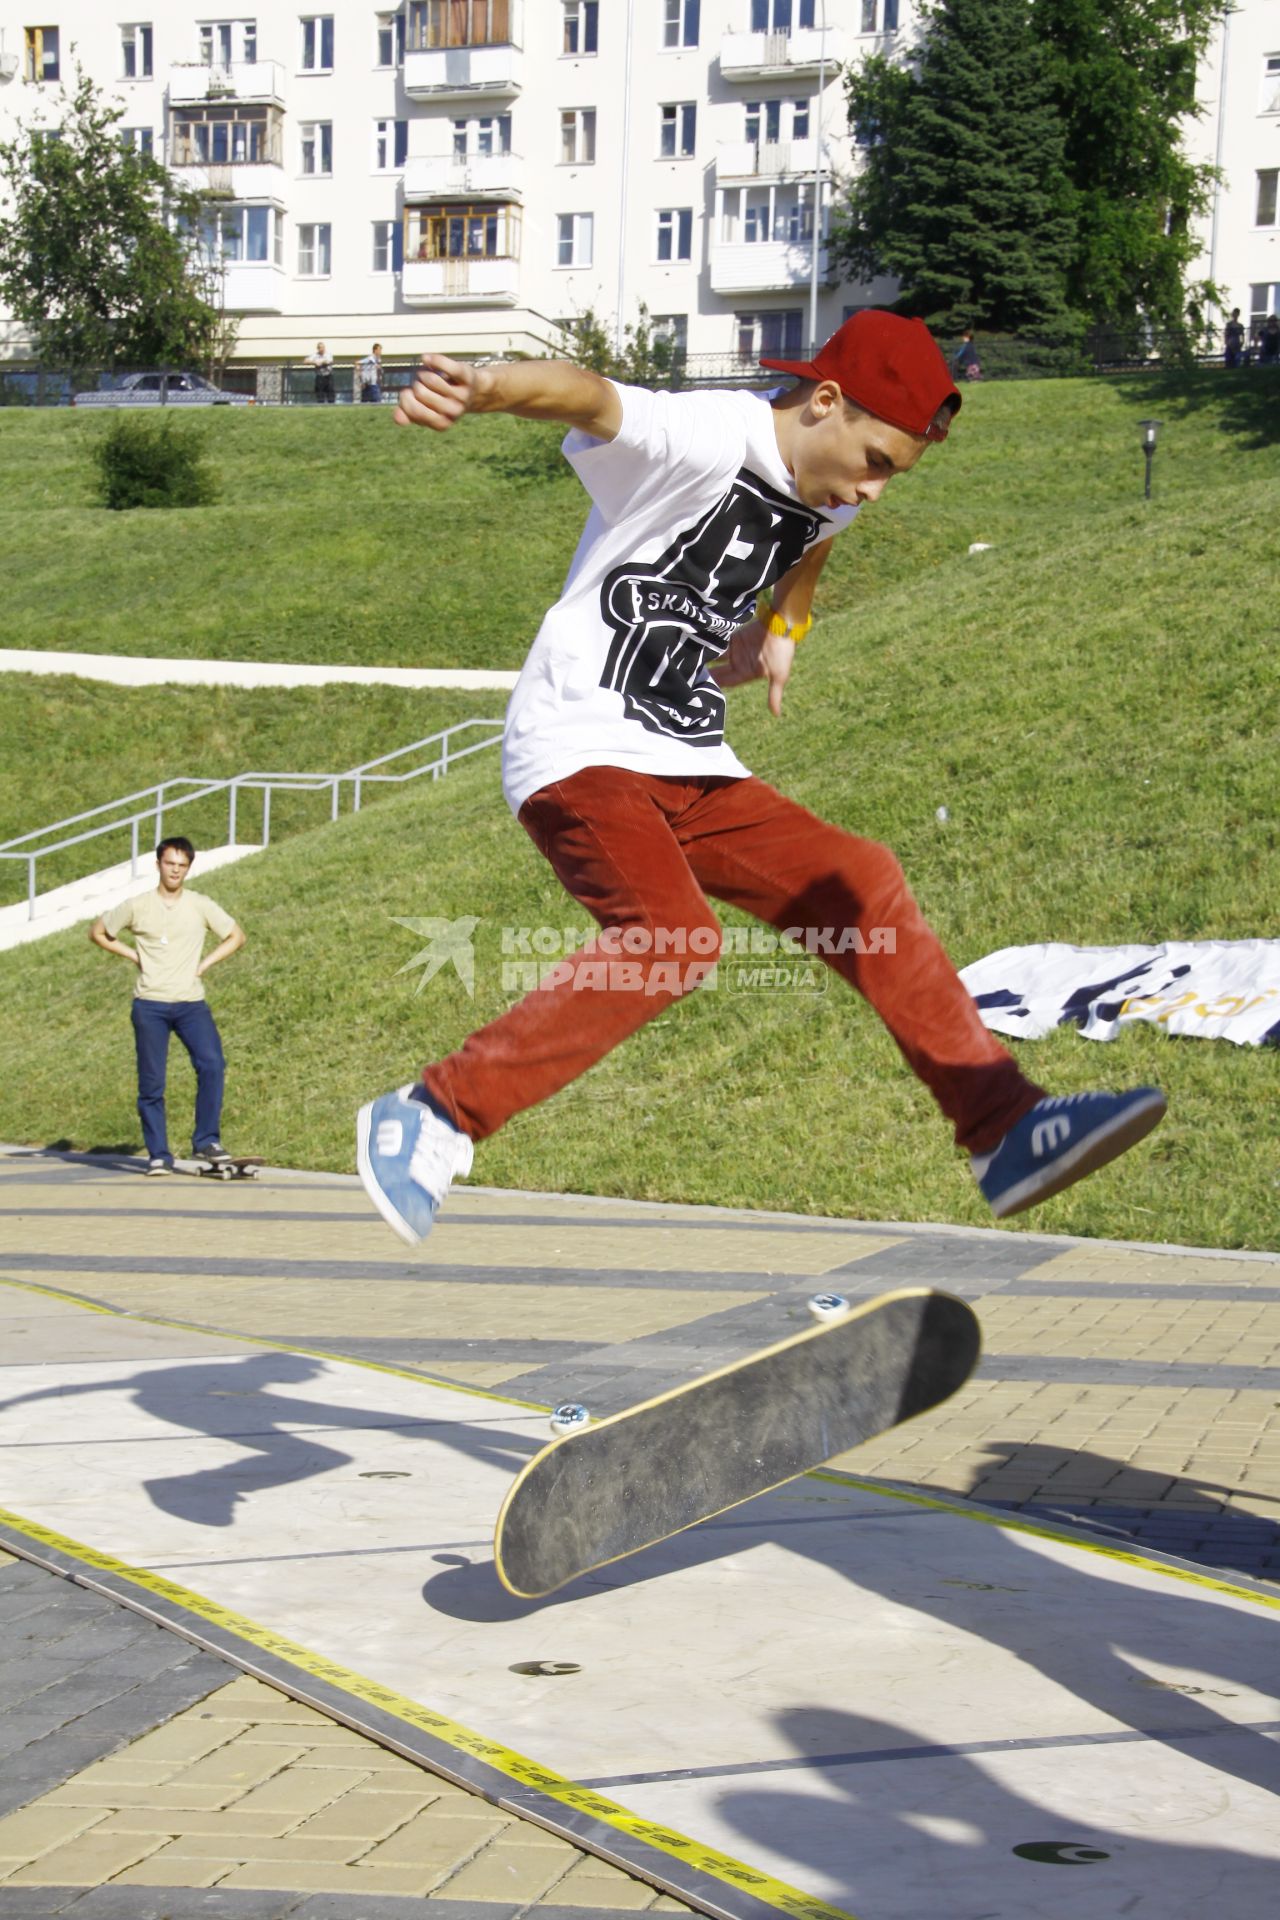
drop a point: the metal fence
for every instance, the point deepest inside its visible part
(145, 814)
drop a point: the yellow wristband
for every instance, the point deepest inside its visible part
(774, 622)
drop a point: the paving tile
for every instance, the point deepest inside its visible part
(38, 1830)
(85, 1861)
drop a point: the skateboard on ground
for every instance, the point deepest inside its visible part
(237, 1167)
(600, 1492)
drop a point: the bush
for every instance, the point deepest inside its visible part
(146, 463)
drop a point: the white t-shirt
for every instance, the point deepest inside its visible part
(693, 515)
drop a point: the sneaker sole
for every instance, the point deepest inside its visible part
(1101, 1147)
(364, 1167)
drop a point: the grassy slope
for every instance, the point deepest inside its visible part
(1093, 700)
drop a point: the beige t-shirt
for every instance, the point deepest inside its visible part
(169, 937)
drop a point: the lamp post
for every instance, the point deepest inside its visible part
(817, 186)
(1149, 431)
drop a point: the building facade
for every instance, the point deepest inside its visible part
(470, 174)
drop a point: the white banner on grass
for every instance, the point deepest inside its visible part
(1218, 989)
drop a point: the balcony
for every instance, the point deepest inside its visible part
(744, 160)
(253, 286)
(443, 176)
(463, 73)
(763, 266)
(764, 56)
(460, 283)
(246, 180)
(194, 83)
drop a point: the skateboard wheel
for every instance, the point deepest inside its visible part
(569, 1417)
(828, 1306)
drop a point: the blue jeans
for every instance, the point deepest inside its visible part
(191, 1020)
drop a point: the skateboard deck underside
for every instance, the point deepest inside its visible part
(244, 1168)
(663, 1466)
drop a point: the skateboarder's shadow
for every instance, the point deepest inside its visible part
(277, 1427)
(920, 1817)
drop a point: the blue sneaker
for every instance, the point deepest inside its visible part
(408, 1159)
(1061, 1140)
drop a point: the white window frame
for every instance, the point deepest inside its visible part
(138, 139)
(222, 42)
(802, 117)
(138, 37)
(312, 28)
(1269, 94)
(315, 149)
(577, 136)
(575, 233)
(390, 146)
(389, 230)
(679, 119)
(1267, 181)
(216, 220)
(581, 20)
(390, 22)
(675, 230)
(315, 246)
(681, 25)
(673, 327)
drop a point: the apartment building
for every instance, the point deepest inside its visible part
(468, 174)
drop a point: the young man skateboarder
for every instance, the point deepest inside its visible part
(169, 927)
(616, 764)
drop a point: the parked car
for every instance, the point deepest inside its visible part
(162, 389)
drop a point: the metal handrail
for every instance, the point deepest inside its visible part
(164, 798)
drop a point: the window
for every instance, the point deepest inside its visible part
(227, 136)
(674, 328)
(390, 145)
(222, 41)
(580, 25)
(388, 246)
(578, 136)
(492, 134)
(390, 40)
(317, 146)
(1265, 216)
(780, 16)
(868, 16)
(42, 54)
(889, 23)
(317, 43)
(756, 221)
(680, 23)
(462, 233)
(1271, 84)
(314, 256)
(241, 232)
(780, 335)
(1264, 300)
(764, 117)
(677, 130)
(675, 233)
(458, 23)
(135, 52)
(138, 139)
(799, 119)
(575, 239)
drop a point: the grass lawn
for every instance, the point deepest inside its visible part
(1093, 700)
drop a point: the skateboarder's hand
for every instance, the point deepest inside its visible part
(442, 391)
(756, 654)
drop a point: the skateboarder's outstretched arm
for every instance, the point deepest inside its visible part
(443, 390)
(756, 654)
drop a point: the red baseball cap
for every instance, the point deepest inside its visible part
(889, 366)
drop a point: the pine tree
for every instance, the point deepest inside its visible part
(964, 196)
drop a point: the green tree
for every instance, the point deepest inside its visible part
(649, 359)
(1122, 75)
(96, 252)
(964, 196)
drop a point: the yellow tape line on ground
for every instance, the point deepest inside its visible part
(257, 1340)
(516, 1766)
(1013, 1523)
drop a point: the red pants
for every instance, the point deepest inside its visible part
(640, 854)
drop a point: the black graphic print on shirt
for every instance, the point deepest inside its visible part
(672, 615)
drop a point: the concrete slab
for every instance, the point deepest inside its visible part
(840, 1697)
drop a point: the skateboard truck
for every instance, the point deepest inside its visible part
(826, 1307)
(569, 1417)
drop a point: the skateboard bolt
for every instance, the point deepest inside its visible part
(569, 1417)
(828, 1306)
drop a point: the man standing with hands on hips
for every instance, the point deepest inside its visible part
(168, 928)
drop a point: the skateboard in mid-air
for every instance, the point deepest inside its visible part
(600, 1492)
(235, 1167)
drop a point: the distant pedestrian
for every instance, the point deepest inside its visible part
(168, 928)
(371, 375)
(965, 361)
(1269, 352)
(322, 361)
(1233, 340)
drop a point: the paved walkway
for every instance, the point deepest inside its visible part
(140, 670)
(1128, 1388)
